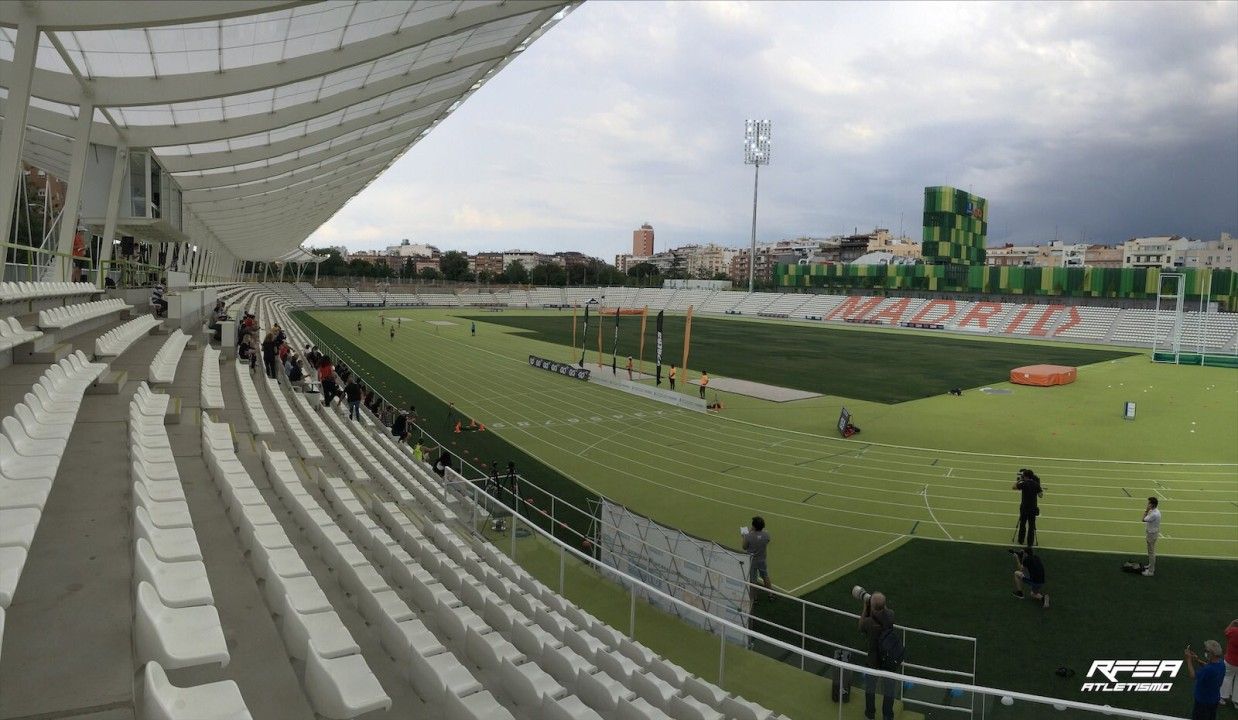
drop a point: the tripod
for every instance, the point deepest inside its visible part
(1014, 534)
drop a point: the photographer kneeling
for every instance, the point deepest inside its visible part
(1030, 573)
(885, 652)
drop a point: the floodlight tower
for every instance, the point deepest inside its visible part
(756, 154)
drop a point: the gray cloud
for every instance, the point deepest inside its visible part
(1105, 120)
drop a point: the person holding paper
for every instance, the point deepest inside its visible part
(756, 540)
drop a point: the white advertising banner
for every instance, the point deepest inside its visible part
(698, 572)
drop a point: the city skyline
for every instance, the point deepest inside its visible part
(1093, 123)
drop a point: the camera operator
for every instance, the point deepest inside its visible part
(1029, 573)
(875, 620)
(1029, 485)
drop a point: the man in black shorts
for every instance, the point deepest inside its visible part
(1029, 574)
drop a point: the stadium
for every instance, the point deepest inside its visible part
(493, 503)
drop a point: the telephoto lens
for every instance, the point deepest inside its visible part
(859, 593)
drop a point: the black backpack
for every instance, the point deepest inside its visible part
(890, 650)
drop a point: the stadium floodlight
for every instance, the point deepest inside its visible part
(756, 154)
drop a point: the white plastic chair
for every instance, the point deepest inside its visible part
(177, 637)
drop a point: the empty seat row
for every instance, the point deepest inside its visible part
(482, 626)
(163, 366)
(32, 443)
(13, 334)
(13, 291)
(63, 317)
(116, 341)
(338, 681)
(306, 448)
(211, 386)
(259, 424)
(175, 620)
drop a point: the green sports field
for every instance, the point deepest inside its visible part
(938, 468)
(827, 360)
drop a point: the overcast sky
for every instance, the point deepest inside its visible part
(1097, 121)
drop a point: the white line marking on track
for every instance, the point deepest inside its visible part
(845, 565)
(924, 492)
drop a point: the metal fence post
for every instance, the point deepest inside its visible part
(632, 611)
(562, 567)
(803, 632)
(722, 658)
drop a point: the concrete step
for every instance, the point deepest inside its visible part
(111, 382)
(173, 414)
(43, 355)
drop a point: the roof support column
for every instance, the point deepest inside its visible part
(119, 163)
(15, 107)
(195, 259)
(62, 264)
(316, 266)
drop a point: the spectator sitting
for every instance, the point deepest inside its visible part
(156, 299)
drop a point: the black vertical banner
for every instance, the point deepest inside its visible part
(584, 335)
(614, 358)
(658, 351)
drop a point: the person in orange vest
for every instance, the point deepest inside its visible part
(629, 367)
(671, 376)
(704, 382)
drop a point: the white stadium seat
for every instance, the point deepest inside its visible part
(214, 701)
(177, 637)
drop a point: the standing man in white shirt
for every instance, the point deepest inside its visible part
(1152, 527)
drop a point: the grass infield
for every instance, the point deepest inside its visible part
(880, 367)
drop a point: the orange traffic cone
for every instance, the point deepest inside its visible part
(457, 426)
(481, 427)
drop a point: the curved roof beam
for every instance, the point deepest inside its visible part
(193, 133)
(224, 158)
(376, 143)
(188, 87)
(110, 14)
(240, 191)
(190, 133)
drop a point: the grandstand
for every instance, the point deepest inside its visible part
(1213, 332)
(184, 537)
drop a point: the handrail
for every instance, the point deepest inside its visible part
(808, 654)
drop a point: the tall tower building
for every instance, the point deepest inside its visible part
(956, 225)
(642, 241)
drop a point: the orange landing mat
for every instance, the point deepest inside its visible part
(1043, 375)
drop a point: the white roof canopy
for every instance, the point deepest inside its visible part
(269, 115)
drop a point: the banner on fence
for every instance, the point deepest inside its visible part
(700, 573)
(557, 367)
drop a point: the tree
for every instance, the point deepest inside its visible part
(642, 270)
(515, 273)
(485, 276)
(721, 276)
(548, 274)
(429, 273)
(454, 265)
(333, 265)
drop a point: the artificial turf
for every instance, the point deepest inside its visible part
(880, 367)
(1096, 612)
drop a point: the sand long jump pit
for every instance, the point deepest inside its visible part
(761, 391)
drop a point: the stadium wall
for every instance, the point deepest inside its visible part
(1121, 283)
